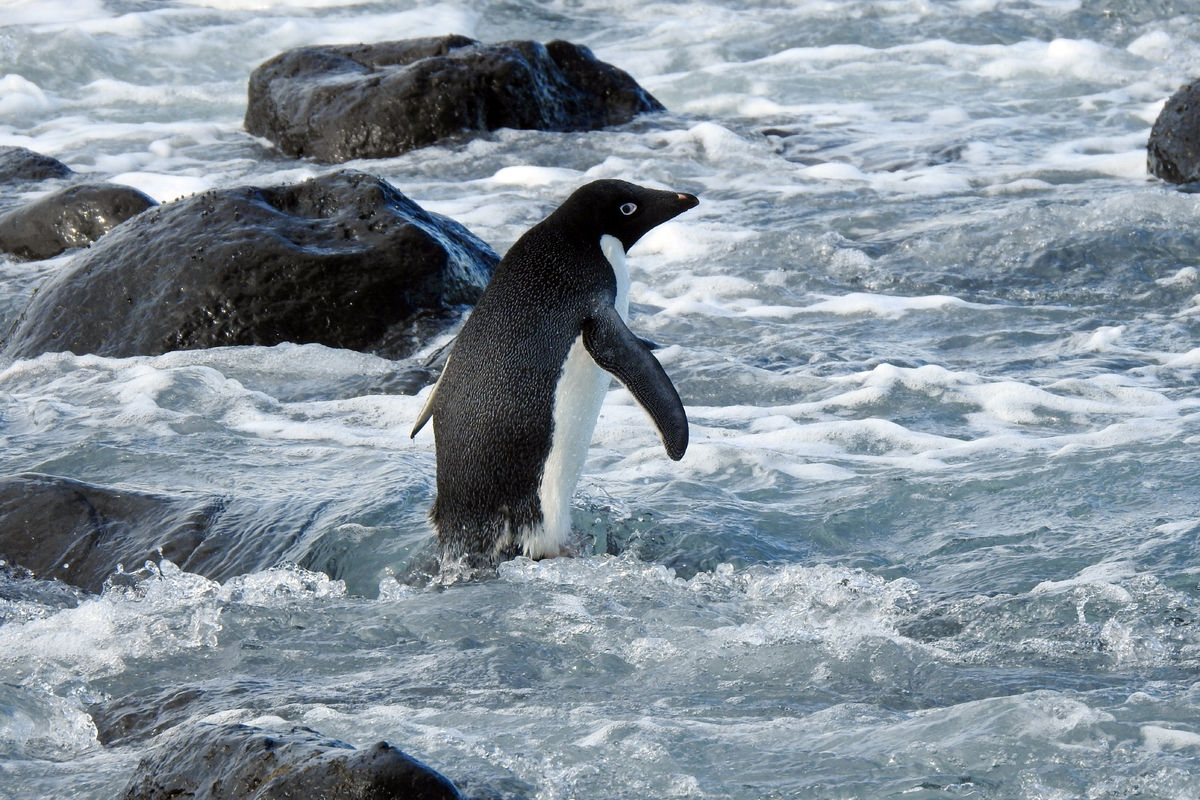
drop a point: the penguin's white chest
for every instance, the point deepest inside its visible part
(577, 401)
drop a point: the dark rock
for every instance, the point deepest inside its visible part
(239, 762)
(1173, 151)
(73, 217)
(78, 533)
(343, 260)
(18, 164)
(335, 103)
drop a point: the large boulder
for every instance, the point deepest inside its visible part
(336, 103)
(1173, 151)
(79, 533)
(73, 217)
(240, 762)
(343, 260)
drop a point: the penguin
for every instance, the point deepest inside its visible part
(514, 409)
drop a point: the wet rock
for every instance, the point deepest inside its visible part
(20, 165)
(1173, 151)
(239, 762)
(150, 709)
(73, 217)
(78, 533)
(336, 103)
(147, 712)
(343, 260)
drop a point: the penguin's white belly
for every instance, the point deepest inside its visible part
(577, 401)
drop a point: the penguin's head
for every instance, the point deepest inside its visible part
(621, 209)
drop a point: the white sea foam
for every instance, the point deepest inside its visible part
(1105, 576)
(434, 20)
(164, 188)
(529, 176)
(1121, 157)
(728, 296)
(41, 12)
(158, 393)
(1179, 360)
(258, 5)
(1157, 738)
(170, 612)
(1155, 45)
(281, 364)
(36, 724)
(828, 607)
(20, 96)
(1185, 275)
(888, 307)
(282, 586)
(167, 611)
(1077, 58)
(803, 441)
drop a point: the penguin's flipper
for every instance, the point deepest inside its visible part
(427, 409)
(618, 351)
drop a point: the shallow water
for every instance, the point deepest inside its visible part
(937, 332)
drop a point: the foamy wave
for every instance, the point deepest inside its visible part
(733, 609)
(732, 296)
(20, 96)
(281, 586)
(43, 12)
(39, 725)
(150, 614)
(813, 441)
(168, 612)
(1109, 615)
(161, 393)
(258, 5)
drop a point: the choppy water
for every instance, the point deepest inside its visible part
(937, 332)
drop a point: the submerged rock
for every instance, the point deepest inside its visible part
(336, 103)
(1173, 151)
(239, 762)
(79, 533)
(21, 165)
(73, 217)
(148, 712)
(343, 260)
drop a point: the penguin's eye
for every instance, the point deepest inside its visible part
(628, 208)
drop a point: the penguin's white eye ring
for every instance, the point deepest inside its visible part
(628, 208)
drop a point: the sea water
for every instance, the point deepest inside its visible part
(937, 332)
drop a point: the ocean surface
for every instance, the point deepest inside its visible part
(937, 332)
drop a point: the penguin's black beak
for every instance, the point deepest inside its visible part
(670, 205)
